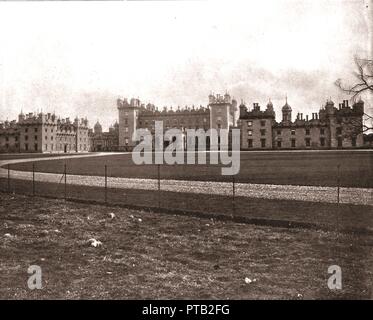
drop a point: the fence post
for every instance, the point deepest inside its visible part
(159, 185)
(234, 193)
(33, 179)
(105, 183)
(338, 183)
(64, 172)
(9, 178)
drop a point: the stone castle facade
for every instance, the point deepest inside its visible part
(330, 128)
(44, 133)
(104, 141)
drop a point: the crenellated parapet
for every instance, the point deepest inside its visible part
(256, 112)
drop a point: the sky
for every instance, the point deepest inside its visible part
(77, 58)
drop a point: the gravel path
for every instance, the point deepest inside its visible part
(359, 196)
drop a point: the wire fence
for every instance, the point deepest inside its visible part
(182, 187)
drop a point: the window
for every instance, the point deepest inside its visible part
(353, 141)
(52, 147)
(46, 147)
(249, 123)
(26, 138)
(308, 142)
(322, 131)
(293, 132)
(126, 129)
(7, 145)
(52, 138)
(6, 138)
(279, 144)
(262, 123)
(26, 129)
(322, 142)
(46, 137)
(250, 132)
(16, 138)
(339, 142)
(279, 132)
(36, 147)
(293, 143)
(36, 129)
(126, 141)
(307, 131)
(36, 137)
(263, 132)
(26, 146)
(263, 142)
(250, 143)
(339, 130)
(46, 130)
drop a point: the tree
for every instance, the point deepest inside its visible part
(364, 76)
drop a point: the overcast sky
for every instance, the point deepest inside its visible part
(77, 58)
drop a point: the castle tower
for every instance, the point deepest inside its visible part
(222, 113)
(220, 107)
(286, 112)
(330, 111)
(128, 116)
(97, 128)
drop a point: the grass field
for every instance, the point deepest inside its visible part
(297, 168)
(167, 256)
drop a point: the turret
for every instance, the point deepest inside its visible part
(270, 107)
(97, 128)
(21, 117)
(286, 112)
(358, 107)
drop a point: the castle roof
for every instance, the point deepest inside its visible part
(286, 106)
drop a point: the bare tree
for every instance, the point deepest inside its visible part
(364, 76)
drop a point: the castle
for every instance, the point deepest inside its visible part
(329, 128)
(44, 133)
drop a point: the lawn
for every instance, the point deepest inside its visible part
(296, 168)
(154, 255)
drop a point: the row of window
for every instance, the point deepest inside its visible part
(52, 130)
(51, 148)
(262, 132)
(168, 122)
(307, 140)
(308, 131)
(15, 138)
(262, 123)
(279, 143)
